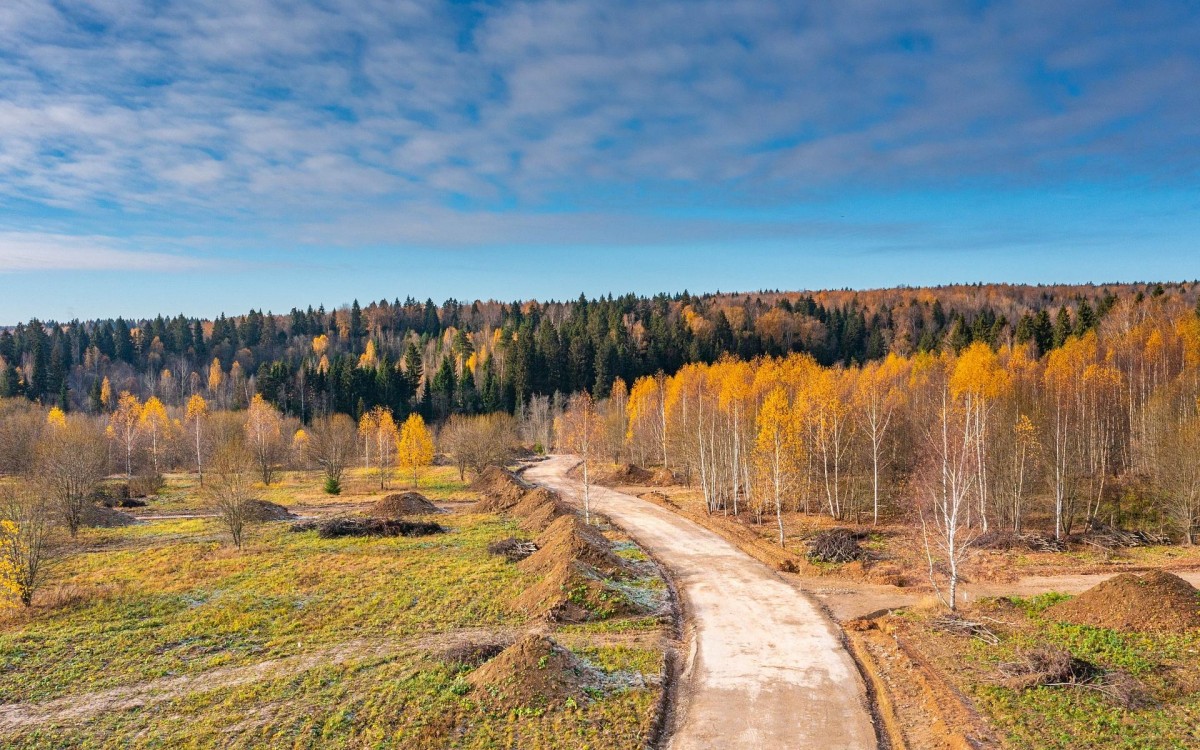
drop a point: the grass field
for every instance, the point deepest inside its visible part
(1162, 667)
(162, 635)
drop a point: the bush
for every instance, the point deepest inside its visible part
(145, 485)
(332, 486)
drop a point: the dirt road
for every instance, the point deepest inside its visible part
(765, 668)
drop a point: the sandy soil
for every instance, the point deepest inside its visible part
(765, 668)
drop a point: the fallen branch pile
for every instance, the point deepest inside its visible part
(837, 546)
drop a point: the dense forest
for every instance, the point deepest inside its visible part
(439, 360)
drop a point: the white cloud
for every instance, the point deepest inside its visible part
(34, 251)
(287, 109)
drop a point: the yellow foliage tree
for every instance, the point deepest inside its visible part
(154, 422)
(415, 446)
(216, 376)
(106, 394)
(197, 412)
(368, 359)
(778, 447)
(379, 427)
(125, 426)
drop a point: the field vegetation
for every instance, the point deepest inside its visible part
(163, 632)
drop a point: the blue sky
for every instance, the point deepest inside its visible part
(160, 156)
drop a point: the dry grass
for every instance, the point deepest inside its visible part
(170, 598)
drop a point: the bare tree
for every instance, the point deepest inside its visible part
(331, 444)
(27, 540)
(264, 437)
(478, 442)
(581, 434)
(72, 458)
(230, 487)
(537, 423)
(21, 423)
(1176, 473)
(946, 488)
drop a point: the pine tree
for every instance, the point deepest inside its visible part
(1062, 327)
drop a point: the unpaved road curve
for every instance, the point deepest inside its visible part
(766, 668)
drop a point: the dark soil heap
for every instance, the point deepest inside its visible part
(499, 490)
(100, 517)
(533, 672)
(262, 511)
(1156, 602)
(339, 527)
(403, 504)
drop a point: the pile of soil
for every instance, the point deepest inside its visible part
(662, 477)
(100, 517)
(1156, 602)
(339, 527)
(499, 490)
(403, 504)
(116, 495)
(533, 672)
(573, 592)
(538, 509)
(628, 474)
(263, 511)
(570, 539)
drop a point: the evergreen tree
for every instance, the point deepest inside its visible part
(1085, 318)
(1063, 327)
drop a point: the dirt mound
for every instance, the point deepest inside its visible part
(570, 539)
(629, 474)
(262, 511)
(99, 517)
(1153, 602)
(538, 509)
(533, 672)
(499, 490)
(573, 592)
(661, 477)
(403, 504)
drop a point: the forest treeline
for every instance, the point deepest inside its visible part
(1083, 413)
(439, 360)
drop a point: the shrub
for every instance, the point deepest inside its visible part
(145, 485)
(332, 486)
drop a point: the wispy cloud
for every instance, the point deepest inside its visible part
(33, 251)
(590, 120)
